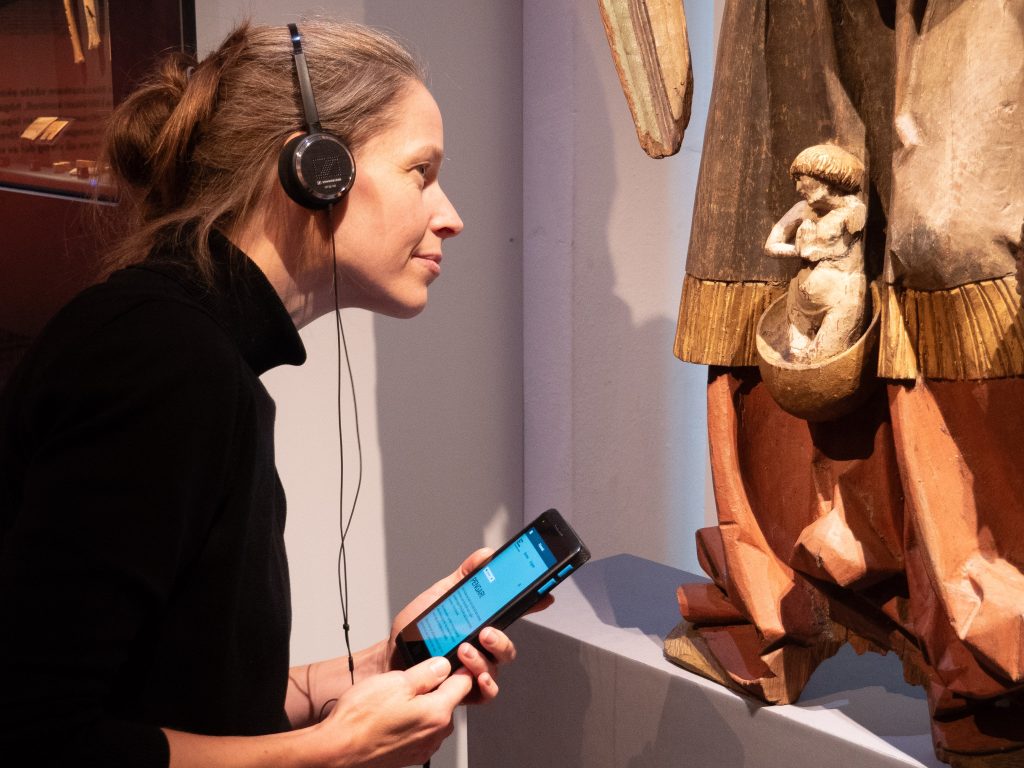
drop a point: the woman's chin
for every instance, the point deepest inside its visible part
(406, 312)
(400, 308)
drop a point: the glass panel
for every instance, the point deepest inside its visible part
(55, 94)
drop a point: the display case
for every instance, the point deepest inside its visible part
(55, 93)
(64, 64)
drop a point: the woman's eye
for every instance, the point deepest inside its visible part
(422, 169)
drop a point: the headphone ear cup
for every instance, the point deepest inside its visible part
(286, 173)
(316, 169)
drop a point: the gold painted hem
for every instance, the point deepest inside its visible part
(974, 331)
(718, 321)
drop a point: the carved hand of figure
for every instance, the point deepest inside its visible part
(780, 243)
(830, 227)
(780, 250)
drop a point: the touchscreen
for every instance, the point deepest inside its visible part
(485, 593)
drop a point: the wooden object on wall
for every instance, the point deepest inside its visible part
(815, 353)
(652, 56)
(824, 389)
(76, 41)
(92, 25)
(840, 547)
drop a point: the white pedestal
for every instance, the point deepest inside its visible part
(592, 689)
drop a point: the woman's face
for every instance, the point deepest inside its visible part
(390, 231)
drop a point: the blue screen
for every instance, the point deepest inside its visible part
(485, 593)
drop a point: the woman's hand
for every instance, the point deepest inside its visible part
(390, 717)
(397, 718)
(385, 721)
(499, 647)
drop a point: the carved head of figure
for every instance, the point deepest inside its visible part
(824, 170)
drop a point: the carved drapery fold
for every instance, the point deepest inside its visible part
(718, 320)
(973, 331)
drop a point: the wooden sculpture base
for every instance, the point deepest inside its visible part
(776, 679)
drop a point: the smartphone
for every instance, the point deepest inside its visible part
(498, 592)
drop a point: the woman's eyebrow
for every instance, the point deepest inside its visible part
(434, 152)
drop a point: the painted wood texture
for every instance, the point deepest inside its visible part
(973, 331)
(718, 320)
(652, 56)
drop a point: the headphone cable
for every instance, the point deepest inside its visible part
(342, 350)
(341, 344)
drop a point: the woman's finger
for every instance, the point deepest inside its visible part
(498, 644)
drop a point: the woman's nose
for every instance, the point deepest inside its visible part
(447, 222)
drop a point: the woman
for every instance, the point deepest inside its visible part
(143, 581)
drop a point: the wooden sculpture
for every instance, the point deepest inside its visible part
(897, 527)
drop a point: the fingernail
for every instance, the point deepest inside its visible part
(470, 651)
(440, 667)
(487, 636)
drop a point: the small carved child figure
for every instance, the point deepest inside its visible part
(825, 303)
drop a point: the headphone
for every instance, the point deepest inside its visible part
(316, 168)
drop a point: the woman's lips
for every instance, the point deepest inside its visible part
(431, 260)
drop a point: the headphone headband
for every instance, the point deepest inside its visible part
(316, 169)
(305, 87)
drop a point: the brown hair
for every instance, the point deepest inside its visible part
(831, 164)
(192, 149)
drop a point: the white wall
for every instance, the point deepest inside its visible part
(615, 428)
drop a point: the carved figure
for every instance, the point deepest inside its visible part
(896, 528)
(825, 301)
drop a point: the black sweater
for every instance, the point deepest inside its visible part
(143, 579)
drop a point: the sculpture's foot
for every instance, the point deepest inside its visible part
(978, 733)
(989, 616)
(732, 656)
(1014, 759)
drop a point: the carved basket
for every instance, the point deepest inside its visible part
(822, 390)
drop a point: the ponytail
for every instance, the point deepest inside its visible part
(172, 148)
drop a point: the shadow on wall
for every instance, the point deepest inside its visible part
(639, 429)
(626, 591)
(450, 425)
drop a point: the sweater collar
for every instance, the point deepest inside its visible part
(242, 300)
